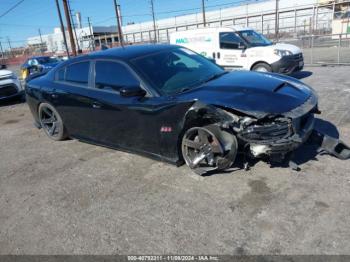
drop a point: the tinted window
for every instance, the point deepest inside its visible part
(61, 74)
(254, 38)
(230, 40)
(78, 73)
(112, 75)
(176, 70)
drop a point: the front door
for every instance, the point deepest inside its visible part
(231, 53)
(127, 122)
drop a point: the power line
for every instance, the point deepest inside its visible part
(36, 26)
(145, 14)
(11, 8)
(184, 10)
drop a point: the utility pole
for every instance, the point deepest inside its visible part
(62, 27)
(203, 10)
(154, 22)
(69, 27)
(91, 35)
(73, 25)
(9, 42)
(276, 20)
(119, 27)
(41, 42)
(2, 51)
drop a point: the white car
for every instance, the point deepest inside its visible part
(241, 48)
(10, 86)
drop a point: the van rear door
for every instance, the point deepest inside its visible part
(231, 51)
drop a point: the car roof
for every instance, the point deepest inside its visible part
(38, 57)
(132, 51)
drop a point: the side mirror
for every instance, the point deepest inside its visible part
(241, 46)
(129, 91)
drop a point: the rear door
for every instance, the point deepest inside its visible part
(72, 95)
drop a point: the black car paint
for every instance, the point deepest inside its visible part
(136, 123)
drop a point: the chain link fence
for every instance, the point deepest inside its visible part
(323, 49)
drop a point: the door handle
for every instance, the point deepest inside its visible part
(54, 95)
(96, 105)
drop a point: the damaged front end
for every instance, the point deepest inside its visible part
(218, 134)
(276, 136)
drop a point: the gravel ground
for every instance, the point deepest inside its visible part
(74, 198)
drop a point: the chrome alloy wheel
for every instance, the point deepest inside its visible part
(206, 149)
(51, 122)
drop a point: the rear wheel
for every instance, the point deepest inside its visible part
(207, 149)
(262, 67)
(51, 122)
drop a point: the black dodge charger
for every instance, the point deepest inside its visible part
(172, 104)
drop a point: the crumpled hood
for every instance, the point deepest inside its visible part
(253, 93)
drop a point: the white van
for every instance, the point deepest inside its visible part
(241, 49)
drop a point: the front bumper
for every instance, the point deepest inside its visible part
(288, 64)
(284, 134)
(285, 145)
(10, 88)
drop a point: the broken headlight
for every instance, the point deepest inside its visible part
(271, 130)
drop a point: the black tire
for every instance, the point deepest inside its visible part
(208, 149)
(262, 67)
(51, 122)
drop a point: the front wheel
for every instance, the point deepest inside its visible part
(207, 149)
(51, 122)
(262, 67)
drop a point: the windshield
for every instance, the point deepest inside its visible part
(254, 38)
(48, 60)
(176, 70)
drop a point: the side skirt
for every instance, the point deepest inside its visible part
(154, 156)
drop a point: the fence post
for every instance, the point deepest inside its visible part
(339, 43)
(316, 22)
(295, 21)
(312, 49)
